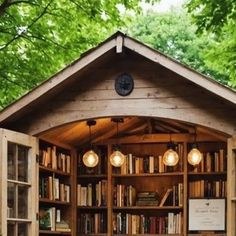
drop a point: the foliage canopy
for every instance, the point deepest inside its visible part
(38, 37)
(219, 18)
(174, 34)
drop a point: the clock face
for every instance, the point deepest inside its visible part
(124, 84)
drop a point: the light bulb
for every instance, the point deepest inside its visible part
(117, 159)
(90, 158)
(194, 156)
(170, 157)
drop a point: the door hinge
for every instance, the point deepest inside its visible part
(37, 158)
(37, 216)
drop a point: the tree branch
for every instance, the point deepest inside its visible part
(4, 6)
(13, 82)
(8, 3)
(2, 47)
(46, 40)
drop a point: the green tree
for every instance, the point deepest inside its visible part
(219, 18)
(174, 34)
(38, 37)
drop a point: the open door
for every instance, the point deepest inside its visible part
(18, 184)
(231, 188)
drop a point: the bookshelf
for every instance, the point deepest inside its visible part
(143, 197)
(92, 195)
(55, 200)
(138, 188)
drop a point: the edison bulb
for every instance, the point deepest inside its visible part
(117, 159)
(90, 158)
(194, 156)
(170, 157)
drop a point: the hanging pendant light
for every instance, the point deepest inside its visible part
(117, 158)
(90, 158)
(170, 157)
(194, 156)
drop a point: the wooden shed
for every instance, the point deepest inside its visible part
(46, 187)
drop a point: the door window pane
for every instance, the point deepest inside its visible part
(22, 163)
(11, 161)
(11, 229)
(11, 200)
(22, 202)
(22, 229)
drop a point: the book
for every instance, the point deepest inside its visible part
(160, 164)
(147, 203)
(56, 189)
(151, 164)
(45, 222)
(208, 162)
(165, 196)
(54, 157)
(47, 218)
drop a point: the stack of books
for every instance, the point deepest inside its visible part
(147, 199)
(62, 226)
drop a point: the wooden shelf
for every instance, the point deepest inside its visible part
(54, 232)
(93, 234)
(206, 234)
(47, 169)
(149, 175)
(148, 234)
(45, 200)
(100, 176)
(92, 207)
(207, 173)
(149, 208)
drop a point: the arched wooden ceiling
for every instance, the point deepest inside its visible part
(105, 130)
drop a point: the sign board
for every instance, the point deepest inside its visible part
(206, 214)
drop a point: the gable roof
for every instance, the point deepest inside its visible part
(116, 41)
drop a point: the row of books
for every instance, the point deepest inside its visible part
(92, 194)
(52, 189)
(51, 158)
(212, 162)
(148, 164)
(50, 219)
(206, 188)
(124, 195)
(92, 223)
(173, 196)
(125, 223)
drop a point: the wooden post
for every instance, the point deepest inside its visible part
(109, 189)
(231, 188)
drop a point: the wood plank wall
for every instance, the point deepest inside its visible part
(157, 92)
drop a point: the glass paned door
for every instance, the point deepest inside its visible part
(18, 185)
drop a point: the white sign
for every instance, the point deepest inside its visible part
(206, 214)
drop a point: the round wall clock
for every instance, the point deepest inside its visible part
(124, 84)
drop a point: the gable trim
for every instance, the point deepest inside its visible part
(191, 75)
